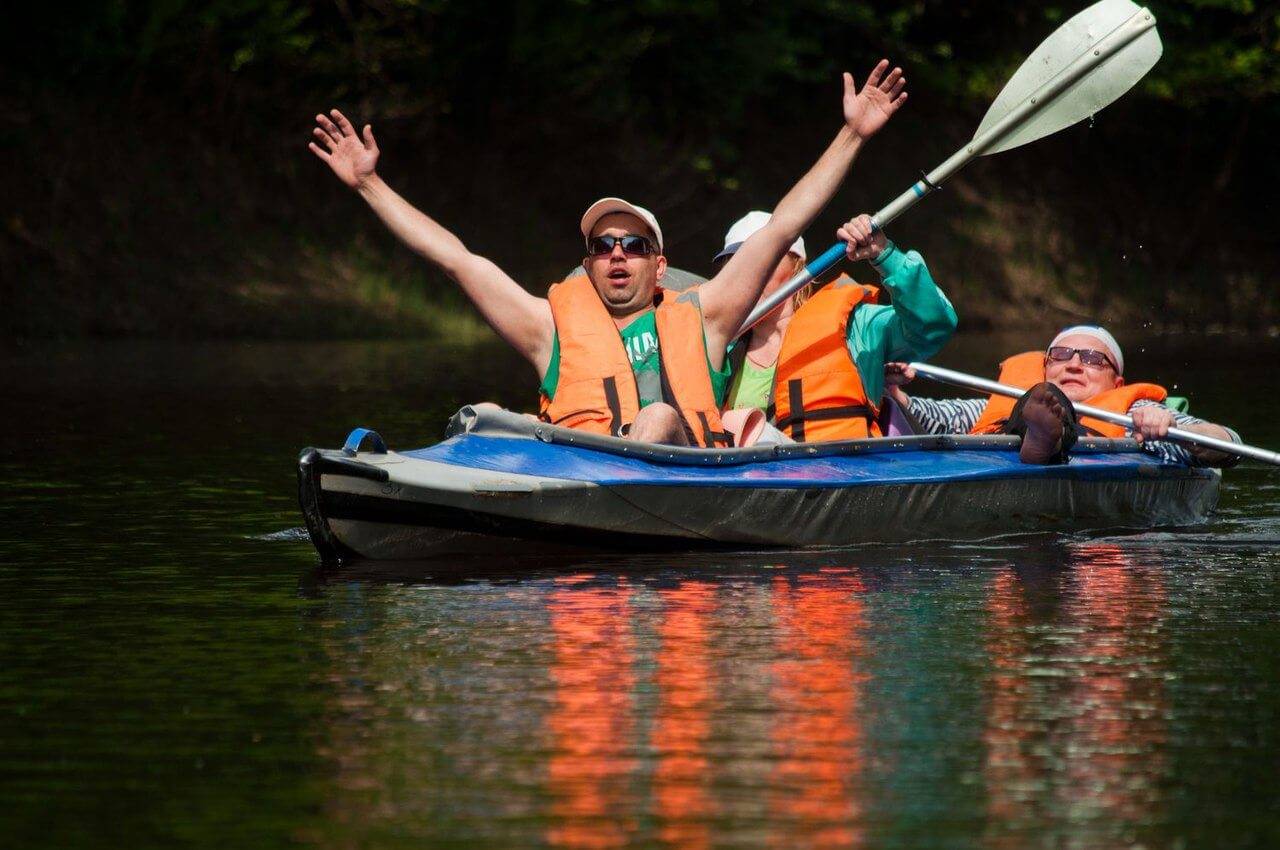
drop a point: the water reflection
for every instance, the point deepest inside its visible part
(682, 723)
(591, 721)
(816, 690)
(166, 681)
(1077, 711)
(766, 710)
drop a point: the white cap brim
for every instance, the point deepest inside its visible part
(744, 228)
(605, 206)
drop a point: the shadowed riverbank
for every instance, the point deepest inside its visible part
(161, 186)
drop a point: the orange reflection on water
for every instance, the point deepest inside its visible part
(1119, 699)
(1076, 706)
(1008, 769)
(816, 691)
(592, 720)
(683, 720)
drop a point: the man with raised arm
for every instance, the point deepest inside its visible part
(616, 354)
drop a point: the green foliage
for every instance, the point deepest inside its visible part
(196, 114)
(650, 63)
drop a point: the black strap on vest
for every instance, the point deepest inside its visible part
(708, 436)
(614, 401)
(795, 421)
(795, 394)
(712, 437)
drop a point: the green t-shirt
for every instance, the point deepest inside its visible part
(640, 339)
(751, 385)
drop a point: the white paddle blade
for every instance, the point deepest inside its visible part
(1069, 44)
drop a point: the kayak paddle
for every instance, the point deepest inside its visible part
(960, 379)
(1086, 64)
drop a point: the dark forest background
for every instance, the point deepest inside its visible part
(156, 180)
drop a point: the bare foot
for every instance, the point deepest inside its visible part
(1044, 417)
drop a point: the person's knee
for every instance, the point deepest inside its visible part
(658, 423)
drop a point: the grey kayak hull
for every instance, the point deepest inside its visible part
(497, 489)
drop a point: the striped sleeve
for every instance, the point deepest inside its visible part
(947, 415)
(1168, 451)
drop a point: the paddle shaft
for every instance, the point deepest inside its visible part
(1103, 49)
(960, 379)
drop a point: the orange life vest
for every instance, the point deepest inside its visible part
(817, 390)
(596, 390)
(1027, 369)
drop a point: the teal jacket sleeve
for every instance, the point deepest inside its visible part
(914, 327)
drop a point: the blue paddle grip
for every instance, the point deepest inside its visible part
(826, 260)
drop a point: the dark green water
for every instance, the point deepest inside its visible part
(177, 672)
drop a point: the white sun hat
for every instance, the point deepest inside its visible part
(1098, 333)
(742, 230)
(604, 206)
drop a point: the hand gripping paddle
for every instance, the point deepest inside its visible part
(1181, 435)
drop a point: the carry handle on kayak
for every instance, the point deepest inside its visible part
(356, 442)
(1181, 435)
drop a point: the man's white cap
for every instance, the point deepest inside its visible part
(742, 230)
(604, 206)
(1101, 335)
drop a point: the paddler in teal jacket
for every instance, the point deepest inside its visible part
(791, 364)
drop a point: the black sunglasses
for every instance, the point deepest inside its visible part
(1088, 356)
(636, 246)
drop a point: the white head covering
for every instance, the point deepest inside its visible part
(1100, 334)
(742, 230)
(604, 206)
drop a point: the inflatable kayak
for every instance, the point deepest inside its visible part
(501, 481)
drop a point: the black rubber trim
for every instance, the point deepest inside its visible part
(835, 448)
(504, 423)
(377, 509)
(352, 468)
(331, 551)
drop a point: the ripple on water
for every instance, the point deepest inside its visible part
(177, 671)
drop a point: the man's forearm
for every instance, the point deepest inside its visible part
(817, 187)
(520, 318)
(414, 228)
(1210, 456)
(730, 295)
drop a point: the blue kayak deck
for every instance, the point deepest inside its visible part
(892, 466)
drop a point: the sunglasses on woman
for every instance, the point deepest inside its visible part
(634, 246)
(1088, 356)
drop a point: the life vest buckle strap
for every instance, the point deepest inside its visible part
(710, 437)
(615, 404)
(795, 397)
(850, 411)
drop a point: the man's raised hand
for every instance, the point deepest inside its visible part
(352, 158)
(866, 111)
